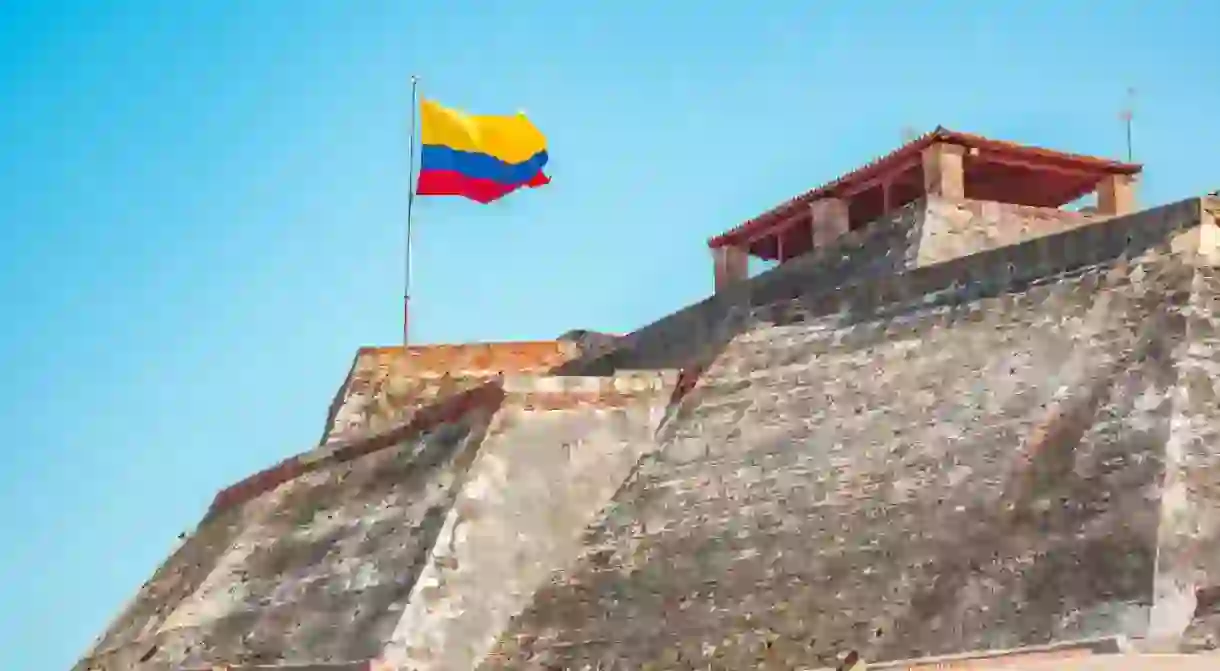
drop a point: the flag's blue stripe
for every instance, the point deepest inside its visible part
(480, 166)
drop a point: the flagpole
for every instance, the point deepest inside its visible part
(406, 294)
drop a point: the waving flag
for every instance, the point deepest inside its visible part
(482, 158)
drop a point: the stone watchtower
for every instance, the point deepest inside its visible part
(988, 182)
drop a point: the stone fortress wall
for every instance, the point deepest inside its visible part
(919, 440)
(970, 455)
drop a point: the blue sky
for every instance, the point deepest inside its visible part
(203, 207)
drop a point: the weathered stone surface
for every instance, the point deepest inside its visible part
(387, 384)
(697, 332)
(591, 343)
(864, 451)
(132, 635)
(315, 570)
(953, 228)
(1020, 660)
(319, 565)
(542, 475)
(979, 469)
(1188, 566)
(879, 265)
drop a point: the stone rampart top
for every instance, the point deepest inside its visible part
(533, 392)
(484, 359)
(386, 384)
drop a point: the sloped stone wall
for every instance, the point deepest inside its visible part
(557, 451)
(1188, 563)
(316, 569)
(135, 633)
(315, 561)
(956, 462)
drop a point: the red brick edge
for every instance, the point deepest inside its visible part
(450, 409)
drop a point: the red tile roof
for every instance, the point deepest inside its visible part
(907, 153)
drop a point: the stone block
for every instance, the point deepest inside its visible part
(943, 171)
(730, 265)
(829, 218)
(1116, 195)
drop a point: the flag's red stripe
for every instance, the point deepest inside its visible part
(451, 183)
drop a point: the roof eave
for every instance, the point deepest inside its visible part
(760, 223)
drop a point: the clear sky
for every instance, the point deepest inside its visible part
(203, 207)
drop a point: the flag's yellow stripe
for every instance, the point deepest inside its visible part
(512, 139)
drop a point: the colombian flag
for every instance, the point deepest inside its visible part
(482, 158)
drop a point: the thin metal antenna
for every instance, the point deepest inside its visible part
(1127, 115)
